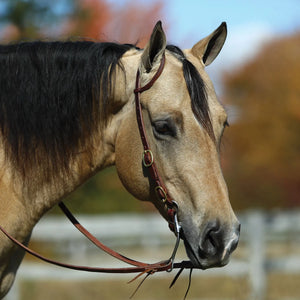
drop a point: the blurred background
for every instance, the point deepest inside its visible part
(257, 78)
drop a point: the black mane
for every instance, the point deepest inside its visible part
(54, 94)
(197, 91)
(50, 98)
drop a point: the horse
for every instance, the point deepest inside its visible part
(67, 111)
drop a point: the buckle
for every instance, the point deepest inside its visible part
(147, 153)
(161, 193)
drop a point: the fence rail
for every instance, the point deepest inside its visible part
(259, 231)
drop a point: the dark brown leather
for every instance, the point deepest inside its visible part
(139, 267)
(162, 195)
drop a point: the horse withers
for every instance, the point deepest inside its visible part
(67, 110)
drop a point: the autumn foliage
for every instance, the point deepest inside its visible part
(130, 23)
(100, 20)
(263, 167)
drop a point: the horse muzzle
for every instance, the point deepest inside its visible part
(214, 245)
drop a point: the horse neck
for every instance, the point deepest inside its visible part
(101, 150)
(40, 194)
(23, 202)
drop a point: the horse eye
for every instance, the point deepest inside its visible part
(163, 127)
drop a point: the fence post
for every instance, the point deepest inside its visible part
(257, 248)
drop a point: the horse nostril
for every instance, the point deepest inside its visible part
(212, 240)
(217, 241)
(235, 240)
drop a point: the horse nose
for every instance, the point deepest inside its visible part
(217, 241)
(232, 242)
(235, 239)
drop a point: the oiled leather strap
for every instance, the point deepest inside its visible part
(96, 242)
(163, 197)
(148, 158)
(146, 87)
(139, 267)
(145, 268)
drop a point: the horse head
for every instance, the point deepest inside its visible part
(184, 123)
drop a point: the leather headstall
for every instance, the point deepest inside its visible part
(164, 199)
(160, 189)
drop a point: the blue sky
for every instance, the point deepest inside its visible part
(191, 15)
(250, 23)
(190, 18)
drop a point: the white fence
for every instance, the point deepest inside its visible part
(259, 232)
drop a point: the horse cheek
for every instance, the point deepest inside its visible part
(128, 160)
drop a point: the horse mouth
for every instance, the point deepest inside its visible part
(201, 261)
(192, 255)
(208, 254)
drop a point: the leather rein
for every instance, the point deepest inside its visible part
(163, 199)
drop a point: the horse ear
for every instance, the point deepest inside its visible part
(209, 48)
(155, 48)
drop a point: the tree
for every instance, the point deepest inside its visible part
(99, 20)
(134, 23)
(29, 19)
(263, 165)
(88, 19)
(91, 19)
